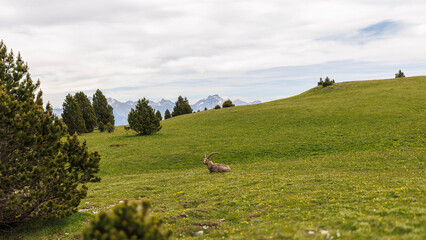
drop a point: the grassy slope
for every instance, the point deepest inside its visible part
(348, 159)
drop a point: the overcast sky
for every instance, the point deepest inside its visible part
(252, 50)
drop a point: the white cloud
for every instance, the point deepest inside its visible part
(195, 48)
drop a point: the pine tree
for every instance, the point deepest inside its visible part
(104, 112)
(42, 169)
(399, 74)
(158, 114)
(167, 114)
(228, 103)
(181, 107)
(326, 82)
(142, 119)
(72, 116)
(87, 111)
(217, 107)
(321, 82)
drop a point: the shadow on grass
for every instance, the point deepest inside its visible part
(66, 228)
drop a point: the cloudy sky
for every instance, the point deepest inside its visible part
(252, 50)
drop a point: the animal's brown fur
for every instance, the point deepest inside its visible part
(215, 167)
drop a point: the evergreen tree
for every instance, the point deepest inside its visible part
(104, 112)
(399, 74)
(158, 114)
(167, 114)
(142, 119)
(228, 103)
(72, 116)
(217, 107)
(326, 82)
(205, 109)
(181, 107)
(42, 171)
(87, 110)
(109, 127)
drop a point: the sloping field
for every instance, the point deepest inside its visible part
(346, 161)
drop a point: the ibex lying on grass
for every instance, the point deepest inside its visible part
(215, 167)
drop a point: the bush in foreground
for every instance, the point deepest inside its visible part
(142, 119)
(42, 175)
(127, 220)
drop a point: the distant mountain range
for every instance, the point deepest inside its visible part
(122, 109)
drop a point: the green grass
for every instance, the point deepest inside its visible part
(347, 160)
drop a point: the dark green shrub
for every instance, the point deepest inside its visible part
(167, 114)
(326, 82)
(181, 107)
(127, 220)
(321, 82)
(158, 114)
(42, 169)
(142, 119)
(228, 103)
(101, 126)
(109, 127)
(217, 107)
(399, 74)
(205, 109)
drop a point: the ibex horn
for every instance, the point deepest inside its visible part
(211, 154)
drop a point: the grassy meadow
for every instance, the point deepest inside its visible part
(341, 162)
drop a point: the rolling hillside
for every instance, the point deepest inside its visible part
(346, 161)
(344, 118)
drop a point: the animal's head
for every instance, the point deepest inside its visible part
(207, 158)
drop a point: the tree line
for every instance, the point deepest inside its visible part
(81, 116)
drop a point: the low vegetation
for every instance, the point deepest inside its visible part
(228, 103)
(127, 220)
